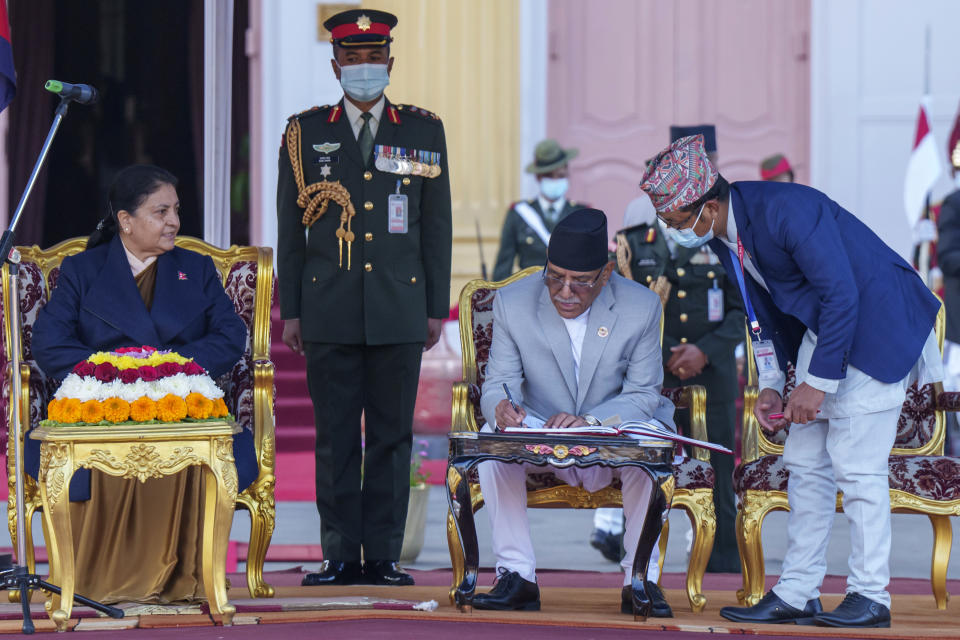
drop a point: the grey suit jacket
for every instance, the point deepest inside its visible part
(620, 372)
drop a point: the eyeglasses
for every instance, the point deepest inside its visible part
(555, 283)
(676, 225)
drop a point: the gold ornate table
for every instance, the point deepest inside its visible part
(138, 452)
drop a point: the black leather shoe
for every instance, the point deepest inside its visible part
(609, 544)
(855, 611)
(333, 572)
(661, 608)
(510, 593)
(772, 610)
(386, 572)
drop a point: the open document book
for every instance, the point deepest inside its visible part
(633, 428)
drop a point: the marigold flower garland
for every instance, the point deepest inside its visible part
(138, 384)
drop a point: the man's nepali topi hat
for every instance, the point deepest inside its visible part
(679, 175)
(579, 241)
(361, 28)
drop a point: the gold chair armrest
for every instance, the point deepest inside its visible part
(750, 429)
(695, 397)
(264, 428)
(462, 416)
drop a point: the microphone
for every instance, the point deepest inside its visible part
(82, 93)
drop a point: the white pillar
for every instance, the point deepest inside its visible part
(217, 86)
(534, 19)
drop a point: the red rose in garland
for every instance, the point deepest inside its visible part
(129, 376)
(193, 369)
(167, 369)
(84, 368)
(105, 372)
(148, 373)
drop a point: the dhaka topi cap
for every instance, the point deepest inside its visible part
(773, 166)
(361, 28)
(708, 131)
(579, 241)
(549, 156)
(679, 176)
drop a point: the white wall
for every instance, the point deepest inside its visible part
(866, 84)
(296, 76)
(533, 87)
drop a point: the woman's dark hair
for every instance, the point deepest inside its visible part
(130, 188)
(719, 191)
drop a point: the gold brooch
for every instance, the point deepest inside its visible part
(363, 23)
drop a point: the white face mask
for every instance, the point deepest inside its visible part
(688, 237)
(363, 82)
(554, 188)
(956, 178)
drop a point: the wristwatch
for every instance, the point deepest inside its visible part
(590, 420)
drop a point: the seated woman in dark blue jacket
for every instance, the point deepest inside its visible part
(139, 541)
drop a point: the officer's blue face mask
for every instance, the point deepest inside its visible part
(554, 188)
(363, 82)
(688, 237)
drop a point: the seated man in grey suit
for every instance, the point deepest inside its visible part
(577, 346)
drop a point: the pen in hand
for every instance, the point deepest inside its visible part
(513, 403)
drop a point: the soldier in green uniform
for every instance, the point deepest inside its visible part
(364, 245)
(703, 323)
(528, 224)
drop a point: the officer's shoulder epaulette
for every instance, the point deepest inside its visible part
(308, 112)
(417, 111)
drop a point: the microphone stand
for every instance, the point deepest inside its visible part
(15, 577)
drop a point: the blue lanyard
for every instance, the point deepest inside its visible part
(738, 270)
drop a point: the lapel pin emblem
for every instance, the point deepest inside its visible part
(181, 275)
(603, 332)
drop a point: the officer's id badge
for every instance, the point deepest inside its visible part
(397, 212)
(715, 303)
(768, 370)
(326, 147)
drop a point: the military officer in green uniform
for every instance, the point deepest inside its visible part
(703, 323)
(528, 224)
(364, 244)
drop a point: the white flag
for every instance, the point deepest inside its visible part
(923, 168)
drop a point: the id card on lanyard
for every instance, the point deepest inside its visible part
(764, 354)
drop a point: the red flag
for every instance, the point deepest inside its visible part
(923, 168)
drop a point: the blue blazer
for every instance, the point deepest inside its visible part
(828, 272)
(96, 306)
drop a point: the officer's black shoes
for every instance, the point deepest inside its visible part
(855, 611)
(773, 610)
(333, 572)
(386, 572)
(609, 544)
(661, 608)
(510, 593)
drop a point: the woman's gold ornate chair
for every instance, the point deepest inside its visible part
(922, 479)
(248, 279)
(694, 476)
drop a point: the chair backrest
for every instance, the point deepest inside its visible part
(921, 428)
(247, 275)
(476, 334)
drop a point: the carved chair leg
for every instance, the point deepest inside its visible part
(456, 556)
(664, 539)
(260, 503)
(749, 524)
(942, 542)
(703, 521)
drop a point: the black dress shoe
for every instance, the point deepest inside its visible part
(609, 544)
(333, 572)
(772, 610)
(386, 572)
(661, 608)
(855, 611)
(510, 593)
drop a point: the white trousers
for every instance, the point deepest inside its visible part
(504, 487)
(849, 454)
(609, 519)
